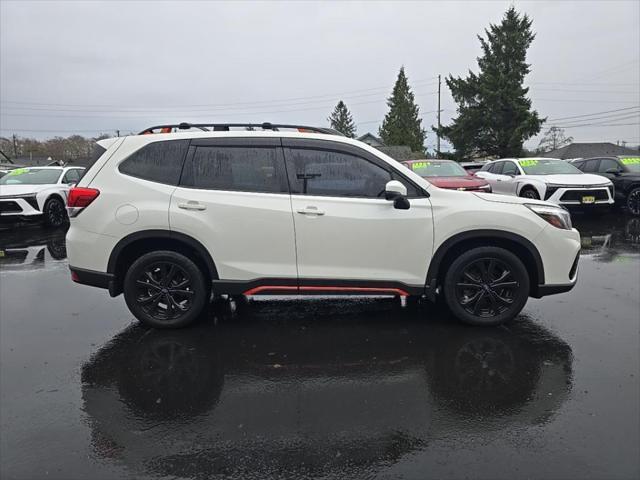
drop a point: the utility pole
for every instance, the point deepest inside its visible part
(438, 147)
(15, 147)
(117, 133)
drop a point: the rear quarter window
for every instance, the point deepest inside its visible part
(157, 162)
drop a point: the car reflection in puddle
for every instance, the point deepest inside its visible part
(615, 238)
(31, 248)
(332, 386)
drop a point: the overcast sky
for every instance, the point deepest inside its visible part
(91, 67)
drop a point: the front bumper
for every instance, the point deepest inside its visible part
(22, 206)
(582, 196)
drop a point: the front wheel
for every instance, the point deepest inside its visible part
(633, 201)
(529, 192)
(165, 289)
(55, 213)
(486, 286)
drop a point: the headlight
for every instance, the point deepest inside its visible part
(556, 216)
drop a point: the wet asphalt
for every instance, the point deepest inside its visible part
(320, 388)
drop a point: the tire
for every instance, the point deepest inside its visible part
(633, 201)
(499, 295)
(529, 192)
(157, 286)
(55, 213)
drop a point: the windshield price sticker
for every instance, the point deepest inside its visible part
(631, 161)
(417, 165)
(528, 163)
(17, 171)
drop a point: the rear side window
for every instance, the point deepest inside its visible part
(497, 168)
(337, 174)
(158, 162)
(588, 165)
(241, 169)
(510, 169)
(72, 176)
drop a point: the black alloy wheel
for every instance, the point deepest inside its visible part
(165, 289)
(530, 193)
(486, 286)
(633, 201)
(55, 213)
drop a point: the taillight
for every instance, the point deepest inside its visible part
(79, 198)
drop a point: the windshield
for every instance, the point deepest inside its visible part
(632, 164)
(547, 167)
(438, 169)
(31, 176)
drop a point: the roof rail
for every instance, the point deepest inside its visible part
(225, 127)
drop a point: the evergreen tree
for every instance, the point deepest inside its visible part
(342, 121)
(402, 125)
(494, 113)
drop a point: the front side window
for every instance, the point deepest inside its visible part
(157, 162)
(31, 176)
(497, 168)
(72, 176)
(607, 164)
(510, 169)
(589, 165)
(336, 174)
(242, 169)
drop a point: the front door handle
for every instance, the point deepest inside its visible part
(191, 205)
(310, 211)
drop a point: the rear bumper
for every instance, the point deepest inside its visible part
(91, 278)
(544, 290)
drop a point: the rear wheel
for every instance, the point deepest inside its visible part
(486, 286)
(165, 289)
(633, 201)
(529, 192)
(55, 213)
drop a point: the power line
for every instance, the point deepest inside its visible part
(421, 82)
(606, 118)
(594, 113)
(602, 125)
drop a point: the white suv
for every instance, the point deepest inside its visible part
(172, 218)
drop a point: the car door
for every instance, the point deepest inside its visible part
(493, 175)
(507, 181)
(233, 198)
(345, 229)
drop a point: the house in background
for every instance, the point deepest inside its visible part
(588, 150)
(397, 152)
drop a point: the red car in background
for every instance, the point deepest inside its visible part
(447, 174)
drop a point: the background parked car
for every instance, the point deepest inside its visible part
(624, 173)
(549, 179)
(472, 167)
(38, 192)
(447, 174)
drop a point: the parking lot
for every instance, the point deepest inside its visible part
(332, 388)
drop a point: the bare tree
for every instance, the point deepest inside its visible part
(553, 139)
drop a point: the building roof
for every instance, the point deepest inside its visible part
(371, 139)
(586, 150)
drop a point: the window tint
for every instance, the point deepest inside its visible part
(244, 169)
(497, 167)
(588, 165)
(607, 164)
(158, 162)
(323, 172)
(510, 169)
(72, 176)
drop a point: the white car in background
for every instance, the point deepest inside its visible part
(549, 179)
(38, 191)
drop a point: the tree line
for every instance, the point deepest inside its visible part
(73, 148)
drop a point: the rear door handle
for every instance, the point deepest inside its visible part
(191, 205)
(310, 211)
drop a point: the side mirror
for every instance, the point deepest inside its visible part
(614, 171)
(396, 191)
